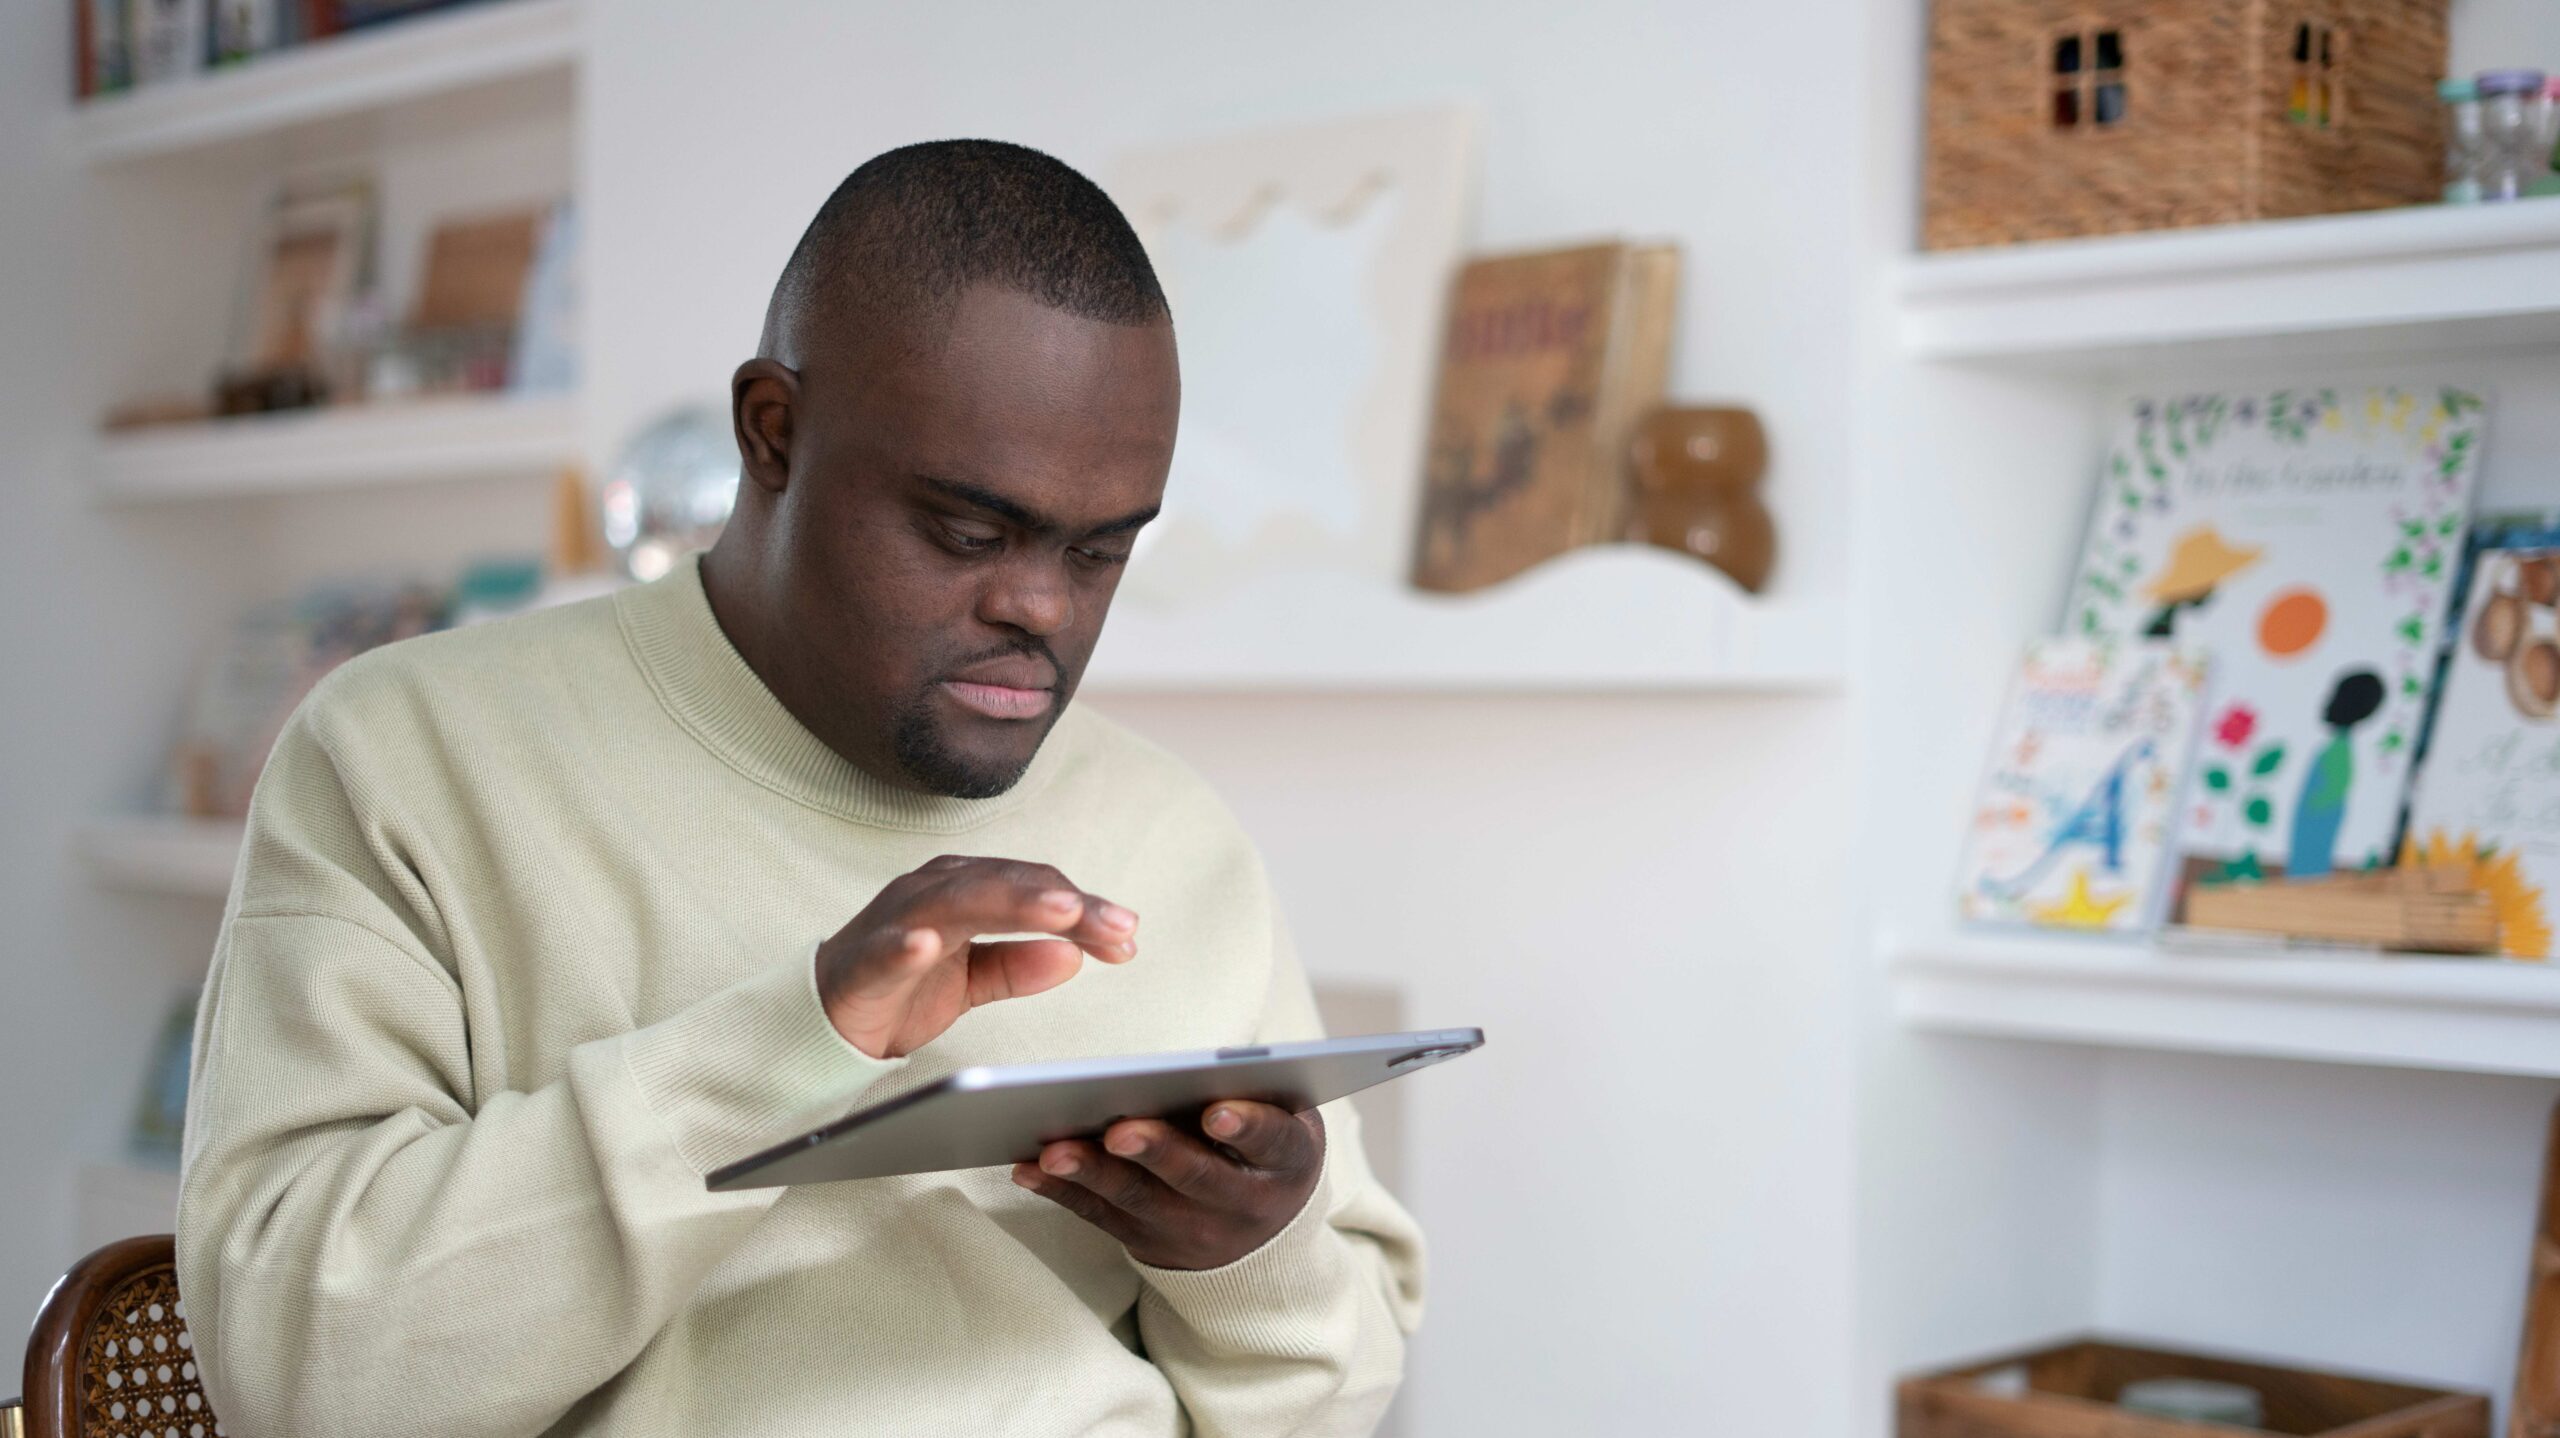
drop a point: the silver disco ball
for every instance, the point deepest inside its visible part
(671, 491)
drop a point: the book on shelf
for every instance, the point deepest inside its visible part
(2306, 541)
(2071, 826)
(1547, 363)
(123, 44)
(2487, 795)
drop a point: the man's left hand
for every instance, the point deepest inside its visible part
(1176, 1200)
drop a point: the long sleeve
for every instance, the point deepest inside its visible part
(1306, 1334)
(366, 1242)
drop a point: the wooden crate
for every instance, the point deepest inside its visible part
(2069, 1392)
(2214, 119)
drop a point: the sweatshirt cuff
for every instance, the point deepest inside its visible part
(749, 1067)
(1273, 1299)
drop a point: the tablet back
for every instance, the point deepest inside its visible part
(980, 1117)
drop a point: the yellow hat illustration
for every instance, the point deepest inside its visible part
(2201, 561)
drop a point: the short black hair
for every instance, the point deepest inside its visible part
(915, 226)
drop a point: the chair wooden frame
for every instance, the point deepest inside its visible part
(110, 1355)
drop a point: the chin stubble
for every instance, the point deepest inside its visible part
(929, 761)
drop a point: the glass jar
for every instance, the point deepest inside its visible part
(2462, 147)
(2512, 155)
(2551, 124)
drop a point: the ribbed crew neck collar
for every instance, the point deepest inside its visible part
(707, 687)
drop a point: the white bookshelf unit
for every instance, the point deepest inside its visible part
(392, 442)
(366, 70)
(2147, 1136)
(464, 111)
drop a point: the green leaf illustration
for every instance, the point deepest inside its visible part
(2217, 778)
(2258, 812)
(2268, 761)
(2392, 741)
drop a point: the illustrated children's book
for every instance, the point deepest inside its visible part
(2306, 541)
(2073, 822)
(2488, 792)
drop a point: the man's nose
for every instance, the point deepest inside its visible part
(1030, 594)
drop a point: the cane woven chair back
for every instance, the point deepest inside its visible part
(111, 1356)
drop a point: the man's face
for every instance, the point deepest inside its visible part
(961, 501)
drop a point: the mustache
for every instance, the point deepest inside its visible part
(1031, 646)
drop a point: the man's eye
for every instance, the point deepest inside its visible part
(970, 541)
(1101, 556)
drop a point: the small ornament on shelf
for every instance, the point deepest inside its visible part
(1696, 476)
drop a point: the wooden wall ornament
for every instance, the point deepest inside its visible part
(1307, 267)
(2534, 1410)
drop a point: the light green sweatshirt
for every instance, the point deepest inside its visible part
(521, 947)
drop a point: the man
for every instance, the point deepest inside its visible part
(540, 923)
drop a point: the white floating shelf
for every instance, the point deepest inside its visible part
(163, 855)
(1613, 618)
(2429, 277)
(369, 69)
(2404, 1011)
(462, 437)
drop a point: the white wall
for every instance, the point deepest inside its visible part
(2352, 1218)
(1639, 1195)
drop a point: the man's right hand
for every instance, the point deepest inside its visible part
(910, 964)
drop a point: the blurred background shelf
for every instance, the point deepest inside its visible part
(462, 437)
(2400, 1011)
(118, 1198)
(1612, 619)
(162, 855)
(373, 69)
(2435, 277)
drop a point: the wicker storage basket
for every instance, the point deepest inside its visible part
(2050, 118)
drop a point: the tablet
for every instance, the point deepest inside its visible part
(980, 1117)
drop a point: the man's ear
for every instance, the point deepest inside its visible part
(764, 399)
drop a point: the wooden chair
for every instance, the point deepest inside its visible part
(111, 1356)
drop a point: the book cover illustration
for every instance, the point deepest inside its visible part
(2306, 541)
(1547, 362)
(2073, 823)
(2488, 795)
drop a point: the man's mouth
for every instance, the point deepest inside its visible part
(1008, 686)
(999, 701)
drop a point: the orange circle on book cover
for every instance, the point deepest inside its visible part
(2292, 622)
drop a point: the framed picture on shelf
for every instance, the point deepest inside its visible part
(1309, 265)
(316, 258)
